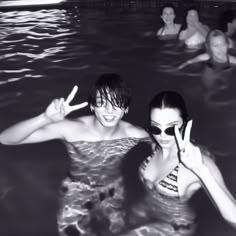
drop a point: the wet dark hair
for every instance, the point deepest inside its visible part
(213, 34)
(169, 99)
(226, 17)
(111, 87)
(166, 6)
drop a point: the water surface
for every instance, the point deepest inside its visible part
(43, 54)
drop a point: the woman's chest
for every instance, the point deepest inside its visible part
(171, 178)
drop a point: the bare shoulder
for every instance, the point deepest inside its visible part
(210, 162)
(207, 156)
(206, 27)
(75, 129)
(183, 35)
(159, 31)
(134, 131)
(178, 26)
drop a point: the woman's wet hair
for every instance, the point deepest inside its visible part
(168, 5)
(226, 17)
(213, 34)
(112, 88)
(169, 99)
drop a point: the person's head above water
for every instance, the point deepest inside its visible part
(168, 14)
(169, 99)
(109, 87)
(166, 110)
(192, 16)
(109, 99)
(217, 45)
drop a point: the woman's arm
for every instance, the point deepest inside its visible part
(199, 58)
(213, 183)
(183, 35)
(208, 173)
(202, 29)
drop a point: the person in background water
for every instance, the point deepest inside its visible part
(168, 16)
(218, 60)
(227, 23)
(96, 145)
(175, 171)
(193, 32)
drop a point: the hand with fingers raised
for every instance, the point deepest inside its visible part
(58, 109)
(189, 154)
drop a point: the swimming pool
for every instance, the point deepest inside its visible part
(44, 53)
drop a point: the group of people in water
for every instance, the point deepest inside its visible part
(127, 180)
(124, 179)
(217, 75)
(193, 32)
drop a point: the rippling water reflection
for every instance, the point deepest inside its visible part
(44, 53)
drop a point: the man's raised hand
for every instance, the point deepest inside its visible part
(59, 108)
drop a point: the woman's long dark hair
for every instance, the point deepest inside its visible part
(169, 99)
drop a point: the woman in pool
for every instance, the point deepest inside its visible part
(172, 175)
(193, 32)
(217, 46)
(169, 28)
(96, 145)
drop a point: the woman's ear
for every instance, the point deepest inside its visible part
(126, 110)
(91, 108)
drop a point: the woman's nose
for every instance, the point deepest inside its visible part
(162, 133)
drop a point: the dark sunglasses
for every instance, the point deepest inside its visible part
(169, 131)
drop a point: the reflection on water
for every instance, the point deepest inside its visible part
(44, 53)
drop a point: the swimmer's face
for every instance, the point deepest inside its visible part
(106, 113)
(165, 118)
(168, 15)
(192, 17)
(219, 48)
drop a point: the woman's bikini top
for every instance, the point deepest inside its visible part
(162, 33)
(167, 186)
(195, 39)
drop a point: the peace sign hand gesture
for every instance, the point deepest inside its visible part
(189, 154)
(59, 108)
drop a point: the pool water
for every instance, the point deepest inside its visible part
(45, 53)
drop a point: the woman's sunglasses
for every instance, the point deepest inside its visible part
(156, 131)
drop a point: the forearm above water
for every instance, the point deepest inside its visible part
(17, 133)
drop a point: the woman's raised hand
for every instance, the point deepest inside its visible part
(59, 108)
(189, 154)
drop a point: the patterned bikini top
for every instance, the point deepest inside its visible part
(167, 186)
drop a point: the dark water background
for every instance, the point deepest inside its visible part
(43, 54)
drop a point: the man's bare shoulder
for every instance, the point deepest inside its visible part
(75, 129)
